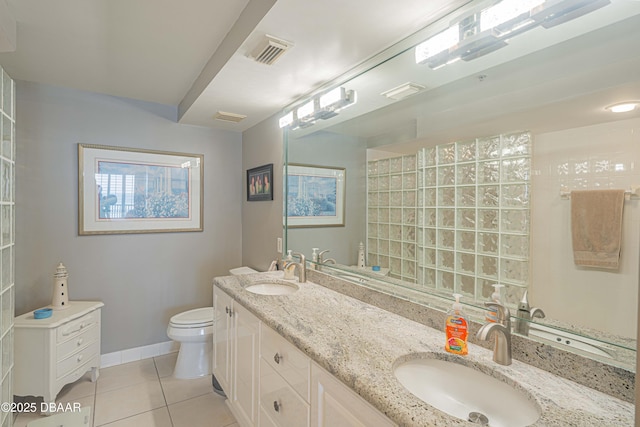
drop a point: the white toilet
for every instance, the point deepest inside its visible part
(193, 329)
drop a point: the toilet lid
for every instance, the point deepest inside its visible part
(193, 317)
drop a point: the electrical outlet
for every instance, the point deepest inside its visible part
(279, 244)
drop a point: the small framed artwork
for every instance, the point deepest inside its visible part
(260, 183)
(126, 190)
(315, 196)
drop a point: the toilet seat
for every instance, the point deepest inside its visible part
(196, 318)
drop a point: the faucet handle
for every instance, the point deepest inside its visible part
(537, 312)
(504, 316)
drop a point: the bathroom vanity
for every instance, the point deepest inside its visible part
(271, 383)
(356, 347)
(57, 350)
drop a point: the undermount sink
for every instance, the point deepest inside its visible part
(466, 393)
(270, 288)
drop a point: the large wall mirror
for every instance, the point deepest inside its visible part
(458, 164)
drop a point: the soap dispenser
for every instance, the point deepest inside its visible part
(491, 315)
(314, 259)
(456, 329)
(288, 272)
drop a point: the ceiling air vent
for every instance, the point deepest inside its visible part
(229, 117)
(269, 50)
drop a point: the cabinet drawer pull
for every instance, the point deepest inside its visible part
(80, 341)
(66, 333)
(276, 406)
(277, 358)
(79, 358)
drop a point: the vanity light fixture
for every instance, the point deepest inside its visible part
(487, 30)
(306, 110)
(623, 107)
(512, 12)
(437, 45)
(334, 101)
(332, 97)
(556, 12)
(286, 120)
(323, 106)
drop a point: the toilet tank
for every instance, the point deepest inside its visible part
(242, 270)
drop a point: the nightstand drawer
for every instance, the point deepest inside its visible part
(86, 337)
(77, 359)
(77, 326)
(287, 360)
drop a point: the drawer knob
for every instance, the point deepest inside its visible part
(80, 341)
(277, 358)
(276, 406)
(79, 358)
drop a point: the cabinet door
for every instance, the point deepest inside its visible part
(244, 389)
(222, 306)
(335, 404)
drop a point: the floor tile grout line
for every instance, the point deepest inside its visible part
(164, 396)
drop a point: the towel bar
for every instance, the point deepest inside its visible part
(634, 193)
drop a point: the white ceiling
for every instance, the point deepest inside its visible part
(544, 80)
(193, 53)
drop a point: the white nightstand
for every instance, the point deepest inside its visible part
(53, 352)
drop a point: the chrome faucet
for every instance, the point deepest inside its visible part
(322, 261)
(525, 315)
(502, 332)
(302, 267)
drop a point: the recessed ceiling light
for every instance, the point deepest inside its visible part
(403, 91)
(229, 117)
(623, 107)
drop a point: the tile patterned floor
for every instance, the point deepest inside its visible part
(144, 394)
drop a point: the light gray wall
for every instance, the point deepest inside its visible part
(142, 279)
(334, 150)
(262, 221)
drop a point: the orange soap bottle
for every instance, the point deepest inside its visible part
(456, 329)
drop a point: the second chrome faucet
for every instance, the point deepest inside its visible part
(501, 331)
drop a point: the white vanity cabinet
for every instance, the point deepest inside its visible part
(222, 339)
(57, 350)
(236, 356)
(269, 382)
(284, 382)
(335, 404)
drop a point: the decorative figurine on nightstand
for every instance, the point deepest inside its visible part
(60, 291)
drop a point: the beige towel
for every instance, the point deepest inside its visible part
(596, 227)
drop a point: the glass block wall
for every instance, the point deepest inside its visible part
(392, 216)
(470, 228)
(7, 239)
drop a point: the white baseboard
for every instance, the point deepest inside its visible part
(138, 353)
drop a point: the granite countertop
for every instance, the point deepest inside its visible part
(359, 344)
